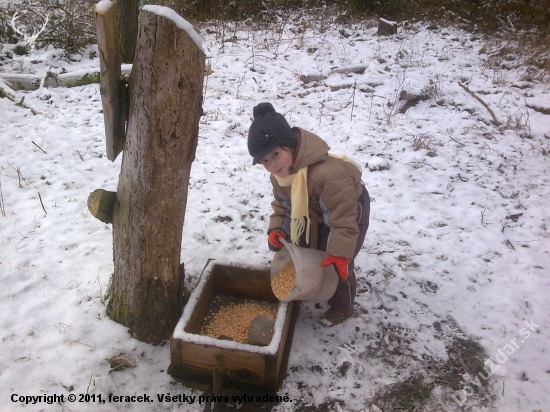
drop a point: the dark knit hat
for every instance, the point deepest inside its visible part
(268, 130)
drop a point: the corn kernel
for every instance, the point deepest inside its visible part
(233, 321)
(283, 281)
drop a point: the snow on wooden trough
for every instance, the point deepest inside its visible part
(198, 357)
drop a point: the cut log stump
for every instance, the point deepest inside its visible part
(386, 27)
(101, 204)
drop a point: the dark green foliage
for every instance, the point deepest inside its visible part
(486, 15)
(70, 26)
(72, 21)
(20, 50)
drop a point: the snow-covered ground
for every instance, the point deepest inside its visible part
(456, 260)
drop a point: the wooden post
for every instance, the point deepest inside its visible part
(165, 106)
(111, 87)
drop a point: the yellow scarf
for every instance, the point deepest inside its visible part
(299, 215)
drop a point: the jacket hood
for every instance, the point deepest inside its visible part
(310, 149)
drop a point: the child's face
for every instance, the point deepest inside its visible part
(278, 161)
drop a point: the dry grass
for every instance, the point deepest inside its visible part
(422, 141)
(121, 362)
(519, 121)
(391, 108)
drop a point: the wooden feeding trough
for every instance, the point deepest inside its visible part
(205, 359)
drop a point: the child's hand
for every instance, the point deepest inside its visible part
(273, 240)
(341, 264)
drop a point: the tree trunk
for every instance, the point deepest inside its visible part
(128, 11)
(165, 107)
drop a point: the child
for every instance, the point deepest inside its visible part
(319, 199)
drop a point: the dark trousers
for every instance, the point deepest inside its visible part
(346, 289)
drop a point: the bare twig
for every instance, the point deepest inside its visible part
(393, 103)
(475, 96)
(353, 99)
(321, 111)
(82, 343)
(208, 70)
(42, 203)
(343, 107)
(504, 225)
(20, 177)
(2, 209)
(422, 163)
(88, 388)
(38, 147)
(84, 154)
(456, 141)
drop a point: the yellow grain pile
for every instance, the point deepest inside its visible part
(283, 281)
(233, 321)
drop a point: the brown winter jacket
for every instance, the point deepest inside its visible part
(333, 186)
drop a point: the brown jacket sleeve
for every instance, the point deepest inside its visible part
(338, 200)
(278, 215)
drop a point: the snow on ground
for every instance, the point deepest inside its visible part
(456, 260)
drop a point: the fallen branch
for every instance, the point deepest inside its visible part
(308, 78)
(479, 99)
(6, 91)
(25, 81)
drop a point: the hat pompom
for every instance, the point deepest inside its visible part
(262, 108)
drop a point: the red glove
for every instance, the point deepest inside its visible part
(273, 240)
(341, 264)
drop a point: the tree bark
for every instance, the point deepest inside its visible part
(165, 90)
(128, 12)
